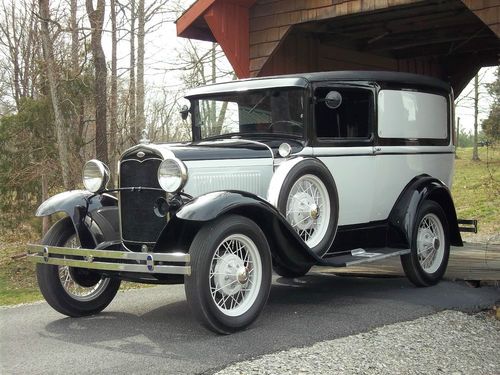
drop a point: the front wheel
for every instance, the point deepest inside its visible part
(73, 291)
(231, 274)
(426, 264)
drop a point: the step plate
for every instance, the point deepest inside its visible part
(358, 256)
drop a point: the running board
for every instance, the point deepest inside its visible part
(357, 256)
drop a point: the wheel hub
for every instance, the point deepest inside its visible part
(428, 241)
(304, 210)
(230, 274)
(314, 213)
(436, 243)
(242, 275)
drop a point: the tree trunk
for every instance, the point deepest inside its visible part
(96, 18)
(475, 155)
(141, 121)
(457, 139)
(134, 132)
(75, 67)
(46, 222)
(62, 141)
(78, 118)
(113, 107)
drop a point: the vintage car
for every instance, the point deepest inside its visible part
(321, 169)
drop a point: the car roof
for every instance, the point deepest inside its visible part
(305, 79)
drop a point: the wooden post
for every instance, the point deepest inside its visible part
(458, 138)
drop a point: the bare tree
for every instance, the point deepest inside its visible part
(75, 66)
(476, 101)
(62, 139)
(96, 17)
(19, 42)
(113, 107)
(132, 89)
(475, 155)
(141, 122)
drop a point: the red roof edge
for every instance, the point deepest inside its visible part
(194, 14)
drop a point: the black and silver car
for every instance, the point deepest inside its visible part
(321, 169)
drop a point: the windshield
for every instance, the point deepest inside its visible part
(270, 111)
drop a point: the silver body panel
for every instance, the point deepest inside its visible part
(250, 175)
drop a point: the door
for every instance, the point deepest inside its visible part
(343, 141)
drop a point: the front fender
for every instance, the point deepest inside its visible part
(77, 204)
(403, 215)
(286, 246)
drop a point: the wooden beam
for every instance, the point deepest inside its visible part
(488, 11)
(471, 262)
(228, 22)
(187, 19)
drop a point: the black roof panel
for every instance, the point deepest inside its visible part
(301, 80)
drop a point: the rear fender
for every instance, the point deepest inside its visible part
(286, 246)
(403, 215)
(95, 217)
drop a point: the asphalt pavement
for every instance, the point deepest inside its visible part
(151, 330)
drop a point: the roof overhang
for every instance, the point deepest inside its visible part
(225, 22)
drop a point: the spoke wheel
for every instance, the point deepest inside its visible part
(308, 200)
(235, 275)
(73, 291)
(426, 263)
(69, 281)
(430, 243)
(308, 209)
(230, 274)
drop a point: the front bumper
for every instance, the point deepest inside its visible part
(111, 260)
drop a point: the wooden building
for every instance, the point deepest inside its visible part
(449, 39)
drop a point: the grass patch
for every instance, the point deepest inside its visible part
(476, 188)
(17, 277)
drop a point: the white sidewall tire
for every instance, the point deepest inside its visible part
(415, 269)
(199, 286)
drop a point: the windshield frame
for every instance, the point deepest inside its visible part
(196, 129)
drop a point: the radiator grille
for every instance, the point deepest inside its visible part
(139, 223)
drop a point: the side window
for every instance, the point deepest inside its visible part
(343, 112)
(412, 115)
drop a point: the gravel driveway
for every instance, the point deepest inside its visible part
(449, 342)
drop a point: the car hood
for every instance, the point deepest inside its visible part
(220, 150)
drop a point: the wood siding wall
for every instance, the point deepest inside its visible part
(488, 11)
(301, 53)
(271, 20)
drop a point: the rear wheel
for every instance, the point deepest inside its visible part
(231, 274)
(73, 291)
(426, 264)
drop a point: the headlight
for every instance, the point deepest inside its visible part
(95, 175)
(172, 175)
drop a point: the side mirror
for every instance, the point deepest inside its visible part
(184, 112)
(333, 99)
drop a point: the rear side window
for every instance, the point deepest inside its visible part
(412, 115)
